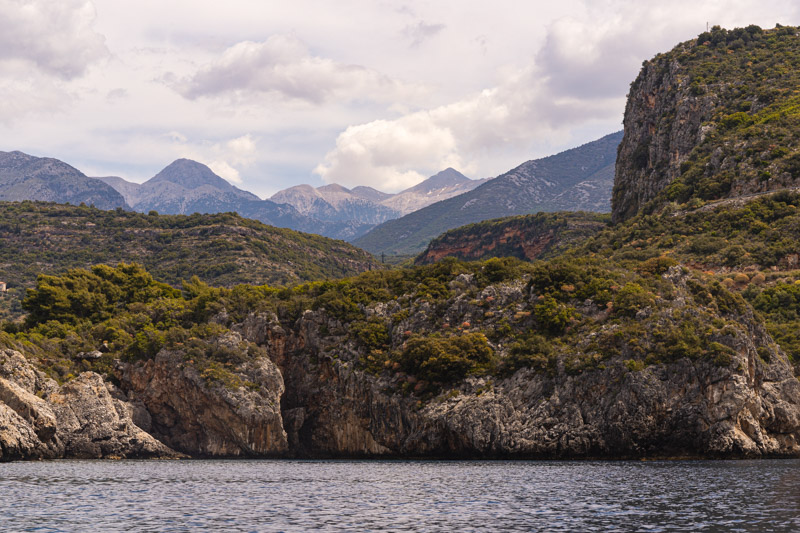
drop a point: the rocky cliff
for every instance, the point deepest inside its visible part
(86, 418)
(526, 237)
(563, 362)
(715, 117)
(742, 407)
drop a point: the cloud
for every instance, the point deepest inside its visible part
(421, 31)
(578, 79)
(224, 170)
(226, 158)
(283, 67)
(56, 37)
(521, 111)
(26, 92)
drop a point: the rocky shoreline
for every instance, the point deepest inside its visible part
(305, 399)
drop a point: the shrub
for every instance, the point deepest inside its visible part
(446, 359)
(552, 315)
(631, 298)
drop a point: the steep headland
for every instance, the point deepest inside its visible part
(670, 333)
(715, 117)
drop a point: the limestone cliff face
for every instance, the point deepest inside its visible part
(663, 122)
(716, 117)
(207, 419)
(84, 418)
(748, 407)
(309, 395)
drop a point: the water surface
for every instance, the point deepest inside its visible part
(400, 496)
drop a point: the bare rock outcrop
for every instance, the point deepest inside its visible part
(748, 406)
(237, 414)
(663, 123)
(80, 419)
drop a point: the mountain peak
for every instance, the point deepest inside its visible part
(448, 177)
(189, 174)
(333, 187)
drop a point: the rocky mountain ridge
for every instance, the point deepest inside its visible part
(577, 179)
(365, 204)
(25, 177)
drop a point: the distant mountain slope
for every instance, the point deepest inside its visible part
(186, 187)
(577, 179)
(526, 237)
(222, 249)
(334, 203)
(26, 177)
(367, 206)
(441, 186)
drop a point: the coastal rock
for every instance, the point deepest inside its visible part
(662, 124)
(80, 419)
(748, 406)
(215, 412)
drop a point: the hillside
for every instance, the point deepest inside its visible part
(223, 249)
(25, 177)
(716, 117)
(577, 179)
(526, 237)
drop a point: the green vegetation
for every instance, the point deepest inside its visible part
(426, 328)
(223, 249)
(744, 82)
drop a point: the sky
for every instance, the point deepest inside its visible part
(272, 94)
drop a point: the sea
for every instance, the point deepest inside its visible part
(451, 496)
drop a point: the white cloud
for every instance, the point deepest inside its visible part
(28, 92)
(579, 77)
(283, 67)
(224, 170)
(520, 112)
(55, 37)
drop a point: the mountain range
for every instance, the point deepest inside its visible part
(336, 203)
(186, 186)
(579, 179)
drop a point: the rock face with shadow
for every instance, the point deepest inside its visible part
(236, 415)
(84, 418)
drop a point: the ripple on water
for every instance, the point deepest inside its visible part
(400, 496)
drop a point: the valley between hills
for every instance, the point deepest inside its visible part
(637, 297)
